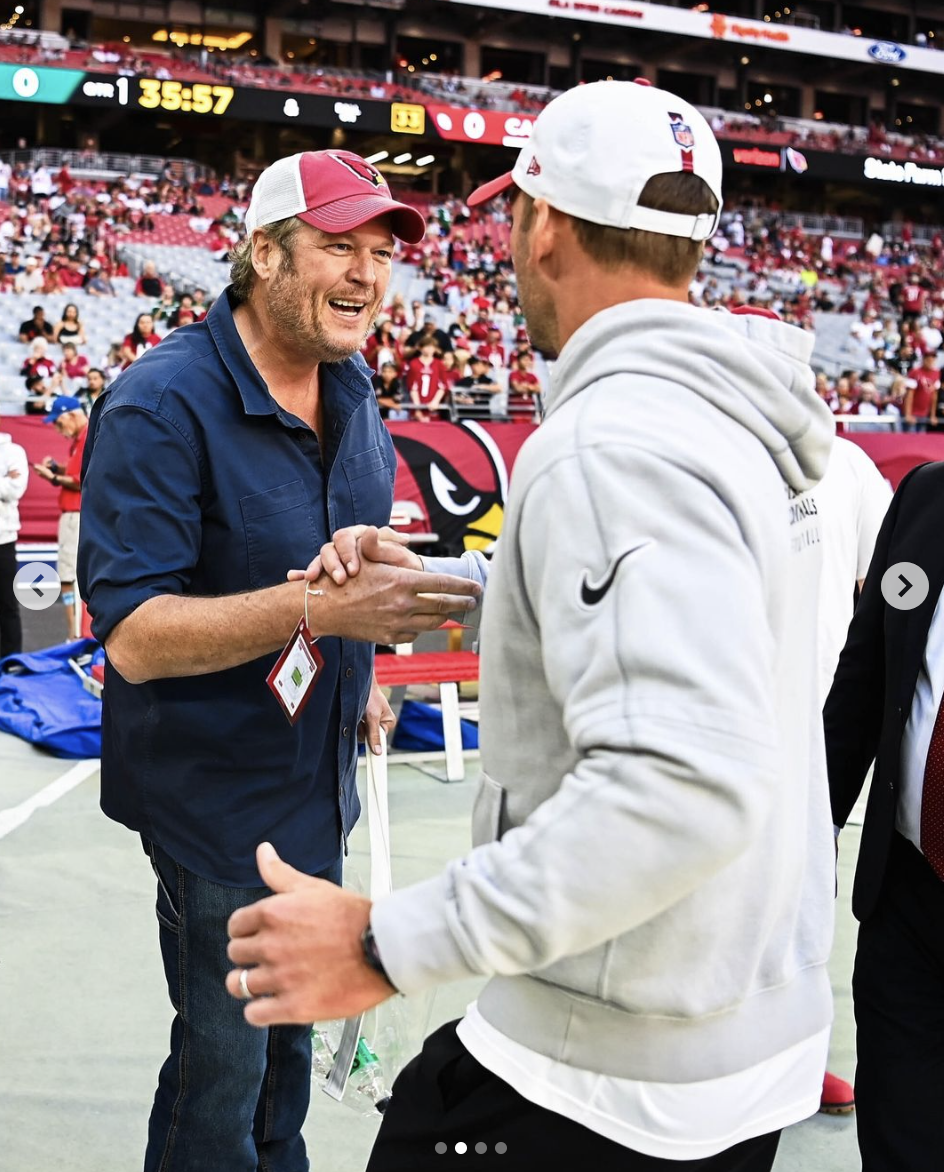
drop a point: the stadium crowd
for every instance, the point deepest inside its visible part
(250, 70)
(458, 348)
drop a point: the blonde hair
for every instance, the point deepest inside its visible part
(242, 275)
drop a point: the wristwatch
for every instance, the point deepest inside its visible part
(372, 956)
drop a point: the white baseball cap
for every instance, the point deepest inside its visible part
(335, 191)
(594, 148)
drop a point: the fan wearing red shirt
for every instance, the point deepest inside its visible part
(921, 399)
(68, 416)
(38, 361)
(71, 275)
(72, 369)
(140, 340)
(478, 331)
(450, 369)
(524, 386)
(459, 254)
(64, 180)
(424, 381)
(492, 350)
(149, 284)
(913, 298)
(383, 346)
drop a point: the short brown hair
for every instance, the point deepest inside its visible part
(242, 274)
(671, 259)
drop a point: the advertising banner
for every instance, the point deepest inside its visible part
(733, 29)
(867, 170)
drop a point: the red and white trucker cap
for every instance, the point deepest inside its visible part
(331, 190)
(594, 148)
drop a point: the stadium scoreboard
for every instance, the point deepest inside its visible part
(202, 100)
(207, 101)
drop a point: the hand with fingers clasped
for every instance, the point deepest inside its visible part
(299, 952)
(341, 557)
(375, 589)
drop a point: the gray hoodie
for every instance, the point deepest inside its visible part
(651, 889)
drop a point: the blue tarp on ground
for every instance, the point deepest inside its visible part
(42, 700)
(420, 728)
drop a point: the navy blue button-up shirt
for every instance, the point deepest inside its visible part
(197, 482)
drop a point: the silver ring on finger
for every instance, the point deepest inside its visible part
(244, 985)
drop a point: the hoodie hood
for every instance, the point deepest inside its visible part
(752, 368)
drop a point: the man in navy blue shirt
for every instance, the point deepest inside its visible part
(219, 460)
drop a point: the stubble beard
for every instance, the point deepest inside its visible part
(296, 317)
(540, 317)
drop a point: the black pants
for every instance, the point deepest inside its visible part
(11, 630)
(445, 1097)
(898, 987)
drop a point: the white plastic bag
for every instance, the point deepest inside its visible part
(348, 1056)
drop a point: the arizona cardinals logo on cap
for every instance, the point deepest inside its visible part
(362, 170)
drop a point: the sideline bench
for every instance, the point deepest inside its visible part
(448, 669)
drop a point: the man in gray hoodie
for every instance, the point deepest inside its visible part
(651, 889)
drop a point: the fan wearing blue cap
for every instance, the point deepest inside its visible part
(68, 417)
(62, 405)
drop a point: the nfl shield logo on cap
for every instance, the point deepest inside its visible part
(600, 144)
(682, 132)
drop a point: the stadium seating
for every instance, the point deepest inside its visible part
(461, 91)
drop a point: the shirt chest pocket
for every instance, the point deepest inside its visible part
(368, 480)
(280, 532)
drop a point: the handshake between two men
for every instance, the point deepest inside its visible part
(302, 946)
(377, 567)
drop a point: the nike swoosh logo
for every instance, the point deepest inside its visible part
(593, 593)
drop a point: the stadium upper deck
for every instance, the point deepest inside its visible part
(436, 91)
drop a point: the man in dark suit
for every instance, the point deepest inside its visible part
(885, 706)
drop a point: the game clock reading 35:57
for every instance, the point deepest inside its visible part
(174, 95)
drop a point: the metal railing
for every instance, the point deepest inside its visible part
(473, 91)
(33, 38)
(920, 233)
(842, 226)
(95, 163)
(865, 423)
(452, 409)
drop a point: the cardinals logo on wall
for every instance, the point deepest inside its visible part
(457, 473)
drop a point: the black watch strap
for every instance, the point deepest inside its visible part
(372, 955)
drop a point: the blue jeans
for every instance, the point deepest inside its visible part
(230, 1097)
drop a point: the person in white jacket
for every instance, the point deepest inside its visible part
(650, 894)
(14, 477)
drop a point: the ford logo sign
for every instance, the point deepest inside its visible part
(887, 52)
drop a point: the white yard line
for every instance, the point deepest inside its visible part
(16, 815)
